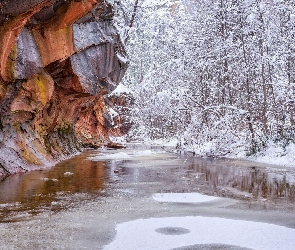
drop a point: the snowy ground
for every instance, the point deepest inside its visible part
(176, 232)
(274, 154)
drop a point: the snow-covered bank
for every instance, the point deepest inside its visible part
(224, 93)
(188, 231)
(277, 155)
(273, 154)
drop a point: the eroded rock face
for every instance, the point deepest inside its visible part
(58, 59)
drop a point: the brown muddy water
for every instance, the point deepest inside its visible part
(83, 198)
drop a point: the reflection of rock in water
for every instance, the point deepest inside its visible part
(270, 183)
(37, 188)
(212, 247)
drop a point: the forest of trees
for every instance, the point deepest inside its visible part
(218, 75)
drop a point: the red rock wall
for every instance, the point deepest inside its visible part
(57, 61)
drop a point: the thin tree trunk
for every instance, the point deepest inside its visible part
(249, 116)
(131, 23)
(263, 75)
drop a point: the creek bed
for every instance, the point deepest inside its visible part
(78, 203)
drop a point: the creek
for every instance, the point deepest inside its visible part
(80, 202)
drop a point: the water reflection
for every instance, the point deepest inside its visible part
(37, 187)
(257, 182)
(144, 175)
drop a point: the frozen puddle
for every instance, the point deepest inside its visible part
(183, 197)
(201, 233)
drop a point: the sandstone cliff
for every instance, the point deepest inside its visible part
(58, 58)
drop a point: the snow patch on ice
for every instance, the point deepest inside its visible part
(131, 154)
(116, 156)
(144, 153)
(183, 197)
(142, 234)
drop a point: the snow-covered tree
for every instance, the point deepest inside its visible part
(217, 75)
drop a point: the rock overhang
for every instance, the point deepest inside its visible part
(57, 61)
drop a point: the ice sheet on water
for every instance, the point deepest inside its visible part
(143, 153)
(128, 154)
(117, 156)
(202, 230)
(183, 197)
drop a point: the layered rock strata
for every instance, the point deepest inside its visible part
(58, 59)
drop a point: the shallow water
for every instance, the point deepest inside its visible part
(87, 196)
(95, 173)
